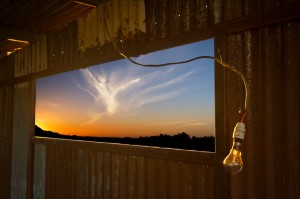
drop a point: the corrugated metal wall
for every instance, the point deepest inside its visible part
(268, 57)
(39, 171)
(6, 115)
(87, 37)
(31, 59)
(167, 18)
(124, 26)
(6, 123)
(6, 68)
(63, 47)
(22, 128)
(267, 54)
(77, 169)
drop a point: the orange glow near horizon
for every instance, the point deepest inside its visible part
(118, 130)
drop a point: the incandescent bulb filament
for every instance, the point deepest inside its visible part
(233, 163)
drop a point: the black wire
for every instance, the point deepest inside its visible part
(170, 63)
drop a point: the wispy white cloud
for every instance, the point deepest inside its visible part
(166, 83)
(148, 99)
(124, 91)
(105, 91)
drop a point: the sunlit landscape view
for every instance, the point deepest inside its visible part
(120, 99)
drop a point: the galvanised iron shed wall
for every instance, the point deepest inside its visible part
(261, 38)
(268, 57)
(77, 169)
(267, 54)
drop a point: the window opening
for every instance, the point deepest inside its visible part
(120, 102)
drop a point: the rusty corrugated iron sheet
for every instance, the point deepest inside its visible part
(126, 25)
(62, 46)
(6, 68)
(76, 169)
(268, 57)
(166, 18)
(124, 20)
(21, 132)
(6, 115)
(31, 59)
(6, 122)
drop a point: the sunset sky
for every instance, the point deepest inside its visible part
(120, 99)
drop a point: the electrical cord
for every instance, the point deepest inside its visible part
(220, 61)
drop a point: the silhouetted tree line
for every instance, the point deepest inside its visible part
(180, 141)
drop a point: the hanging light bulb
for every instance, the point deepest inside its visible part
(233, 163)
